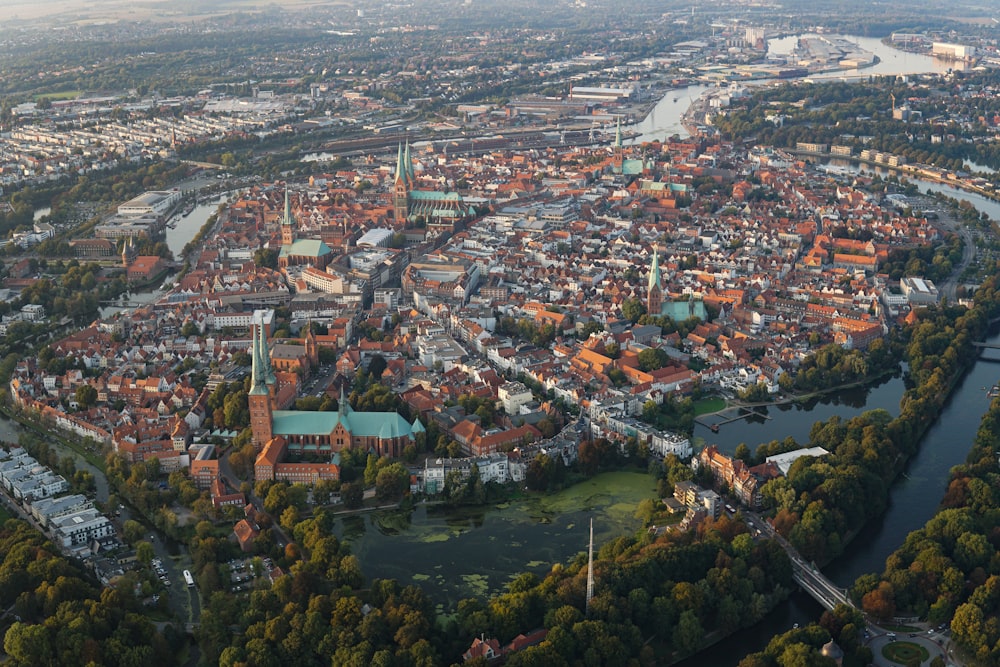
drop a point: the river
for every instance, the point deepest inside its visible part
(982, 204)
(187, 226)
(664, 119)
(449, 572)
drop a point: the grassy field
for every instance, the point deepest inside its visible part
(707, 405)
(903, 652)
(64, 95)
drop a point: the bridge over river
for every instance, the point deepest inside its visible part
(805, 574)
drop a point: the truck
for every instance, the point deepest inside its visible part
(188, 579)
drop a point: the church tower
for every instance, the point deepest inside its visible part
(654, 293)
(259, 398)
(287, 223)
(401, 188)
(618, 157)
(312, 349)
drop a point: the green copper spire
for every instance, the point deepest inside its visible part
(654, 271)
(408, 164)
(400, 169)
(287, 217)
(265, 358)
(257, 379)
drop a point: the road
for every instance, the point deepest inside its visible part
(948, 288)
(226, 470)
(935, 643)
(183, 602)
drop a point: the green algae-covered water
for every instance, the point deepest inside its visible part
(454, 553)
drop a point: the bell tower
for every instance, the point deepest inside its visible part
(287, 223)
(654, 292)
(618, 157)
(401, 188)
(259, 397)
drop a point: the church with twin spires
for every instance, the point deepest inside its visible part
(300, 432)
(440, 211)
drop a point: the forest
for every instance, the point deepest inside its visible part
(63, 617)
(949, 570)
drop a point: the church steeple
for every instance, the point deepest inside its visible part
(411, 177)
(259, 397)
(258, 376)
(344, 406)
(400, 165)
(401, 188)
(269, 378)
(654, 291)
(287, 222)
(618, 157)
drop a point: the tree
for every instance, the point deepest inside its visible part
(144, 552)
(392, 481)
(85, 395)
(352, 494)
(652, 358)
(266, 257)
(376, 366)
(633, 309)
(133, 531)
(29, 644)
(540, 472)
(880, 602)
(371, 469)
(688, 633)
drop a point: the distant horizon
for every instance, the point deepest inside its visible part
(106, 11)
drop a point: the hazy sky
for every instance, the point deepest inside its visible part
(102, 10)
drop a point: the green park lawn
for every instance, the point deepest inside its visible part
(63, 95)
(707, 405)
(904, 652)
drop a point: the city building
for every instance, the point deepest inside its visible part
(318, 433)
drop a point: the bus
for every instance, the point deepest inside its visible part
(188, 579)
